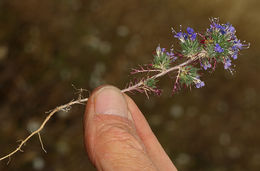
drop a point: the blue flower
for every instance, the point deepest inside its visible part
(217, 26)
(234, 55)
(178, 35)
(220, 27)
(227, 63)
(218, 48)
(206, 65)
(190, 31)
(234, 48)
(163, 50)
(238, 44)
(181, 36)
(170, 54)
(193, 36)
(222, 32)
(200, 84)
(230, 29)
(185, 36)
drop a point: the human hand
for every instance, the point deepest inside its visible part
(118, 137)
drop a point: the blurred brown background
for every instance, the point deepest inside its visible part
(45, 46)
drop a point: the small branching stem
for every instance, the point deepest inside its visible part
(23, 142)
(67, 106)
(219, 44)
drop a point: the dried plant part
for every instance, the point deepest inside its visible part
(198, 52)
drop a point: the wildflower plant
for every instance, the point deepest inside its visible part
(197, 52)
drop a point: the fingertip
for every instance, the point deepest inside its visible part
(90, 110)
(105, 105)
(112, 134)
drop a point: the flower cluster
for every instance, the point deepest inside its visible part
(188, 41)
(163, 59)
(222, 43)
(219, 44)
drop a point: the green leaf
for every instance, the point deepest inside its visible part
(190, 48)
(151, 83)
(161, 61)
(188, 74)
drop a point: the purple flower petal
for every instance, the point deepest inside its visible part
(218, 48)
(227, 64)
(193, 36)
(190, 31)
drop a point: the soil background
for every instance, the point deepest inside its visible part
(46, 46)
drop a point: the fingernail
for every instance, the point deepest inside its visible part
(110, 101)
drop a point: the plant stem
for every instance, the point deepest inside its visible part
(80, 101)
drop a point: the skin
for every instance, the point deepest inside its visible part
(121, 141)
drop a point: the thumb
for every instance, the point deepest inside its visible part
(111, 139)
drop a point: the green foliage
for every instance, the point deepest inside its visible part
(161, 59)
(218, 38)
(188, 74)
(151, 83)
(190, 47)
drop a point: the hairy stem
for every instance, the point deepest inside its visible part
(82, 100)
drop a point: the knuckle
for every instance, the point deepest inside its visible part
(118, 132)
(117, 142)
